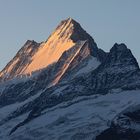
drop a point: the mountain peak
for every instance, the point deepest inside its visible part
(41, 55)
(119, 47)
(121, 58)
(29, 45)
(70, 27)
(70, 19)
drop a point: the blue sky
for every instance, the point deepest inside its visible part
(108, 21)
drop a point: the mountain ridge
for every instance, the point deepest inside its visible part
(63, 38)
(73, 97)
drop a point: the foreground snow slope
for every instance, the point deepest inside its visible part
(81, 119)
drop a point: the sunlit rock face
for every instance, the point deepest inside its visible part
(36, 56)
(20, 62)
(51, 50)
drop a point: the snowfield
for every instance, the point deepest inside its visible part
(82, 118)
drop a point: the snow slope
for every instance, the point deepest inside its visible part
(81, 119)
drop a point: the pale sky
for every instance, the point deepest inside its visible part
(108, 21)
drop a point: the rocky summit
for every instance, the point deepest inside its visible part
(66, 88)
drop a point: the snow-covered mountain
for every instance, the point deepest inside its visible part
(36, 56)
(67, 88)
